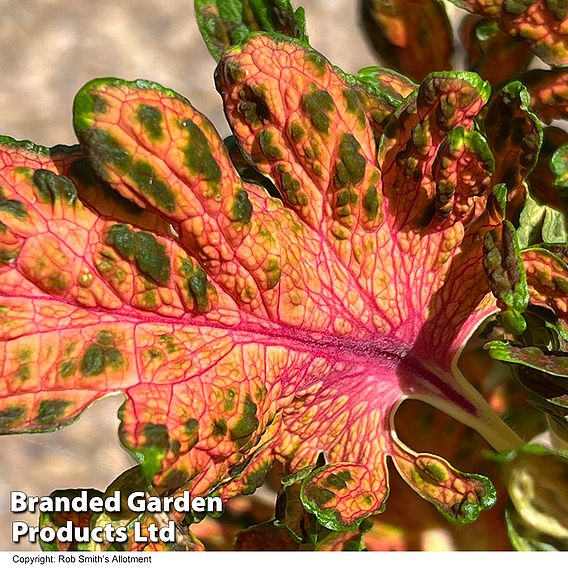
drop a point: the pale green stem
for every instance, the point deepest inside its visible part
(485, 421)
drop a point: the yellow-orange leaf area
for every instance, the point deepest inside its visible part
(242, 328)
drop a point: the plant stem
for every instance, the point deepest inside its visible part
(483, 419)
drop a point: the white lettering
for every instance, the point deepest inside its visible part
(18, 501)
(136, 502)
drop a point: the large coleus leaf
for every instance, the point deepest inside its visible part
(257, 329)
(541, 24)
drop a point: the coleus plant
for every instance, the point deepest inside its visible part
(274, 298)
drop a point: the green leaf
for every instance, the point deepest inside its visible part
(540, 223)
(532, 357)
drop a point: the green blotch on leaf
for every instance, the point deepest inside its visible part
(156, 444)
(320, 495)
(335, 482)
(50, 411)
(196, 284)
(248, 422)
(197, 287)
(151, 257)
(151, 118)
(113, 357)
(57, 282)
(105, 149)
(24, 372)
(105, 338)
(87, 104)
(149, 299)
(255, 479)
(344, 474)
(148, 182)
(169, 342)
(317, 105)
(242, 207)
(371, 202)
(559, 8)
(121, 237)
(561, 284)
(297, 131)
(7, 256)
(13, 207)
(271, 151)
(156, 435)
(229, 403)
(11, 414)
(198, 156)
(99, 355)
(253, 106)
(219, 429)
(317, 62)
(273, 274)
(435, 472)
(93, 361)
(233, 73)
(52, 187)
(67, 368)
(350, 169)
(354, 105)
(291, 187)
(420, 136)
(517, 6)
(191, 427)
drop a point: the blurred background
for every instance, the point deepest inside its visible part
(48, 50)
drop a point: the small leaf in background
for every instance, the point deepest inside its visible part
(533, 357)
(541, 224)
(537, 480)
(540, 24)
(392, 29)
(506, 273)
(549, 92)
(527, 539)
(490, 52)
(226, 23)
(547, 277)
(559, 167)
(547, 182)
(514, 135)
